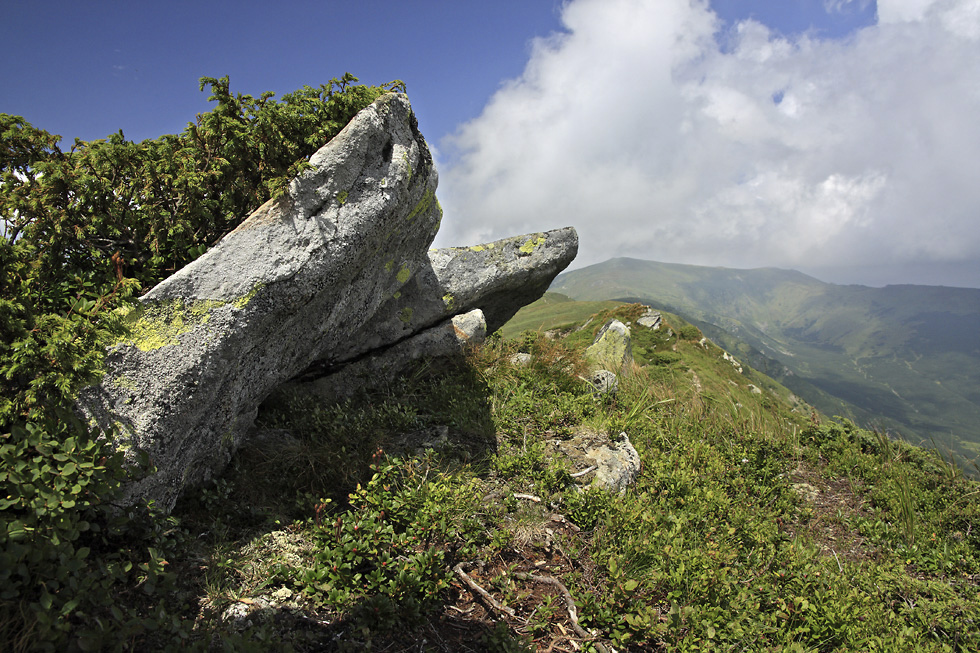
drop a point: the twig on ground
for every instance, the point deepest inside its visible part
(569, 605)
(529, 497)
(583, 472)
(485, 595)
(560, 519)
(838, 560)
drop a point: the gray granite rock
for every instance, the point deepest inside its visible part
(499, 278)
(336, 274)
(298, 277)
(449, 338)
(604, 382)
(596, 460)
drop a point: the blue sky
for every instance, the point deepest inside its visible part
(88, 68)
(833, 136)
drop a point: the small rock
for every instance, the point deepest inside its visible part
(807, 491)
(619, 465)
(651, 319)
(282, 595)
(617, 462)
(241, 614)
(604, 382)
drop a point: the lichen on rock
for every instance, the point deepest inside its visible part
(612, 348)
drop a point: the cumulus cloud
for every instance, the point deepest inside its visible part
(638, 128)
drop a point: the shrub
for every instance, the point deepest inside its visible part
(82, 232)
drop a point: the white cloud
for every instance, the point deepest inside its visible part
(635, 127)
(893, 11)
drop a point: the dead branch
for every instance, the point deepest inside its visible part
(528, 497)
(485, 595)
(569, 605)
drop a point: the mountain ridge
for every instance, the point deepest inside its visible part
(904, 357)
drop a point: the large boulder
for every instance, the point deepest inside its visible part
(612, 348)
(337, 272)
(300, 275)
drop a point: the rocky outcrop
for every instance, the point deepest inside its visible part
(334, 271)
(650, 319)
(499, 278)
(604, 382)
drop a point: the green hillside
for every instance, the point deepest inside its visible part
(551, 311)
(905, 358)
(438, 513)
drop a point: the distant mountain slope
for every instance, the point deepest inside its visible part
(906, 357)
(552, 310)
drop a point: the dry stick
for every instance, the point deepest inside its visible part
(569, 605)
(583, 472)
(458, 569)
(529, 497)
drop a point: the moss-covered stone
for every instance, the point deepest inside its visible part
(243, 301)
(612, 349)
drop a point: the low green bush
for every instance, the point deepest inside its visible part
(83, 231)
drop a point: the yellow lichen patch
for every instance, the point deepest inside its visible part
(423, 205)
(408, 164)
(476, 248)
(528, 247)
(439, 219)
(342, 197)
(243, 301)
(124, 382)
(449, 301)
(404, 274)
(406, 315)
(390, 265)
(123, 436)
(158, 324)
